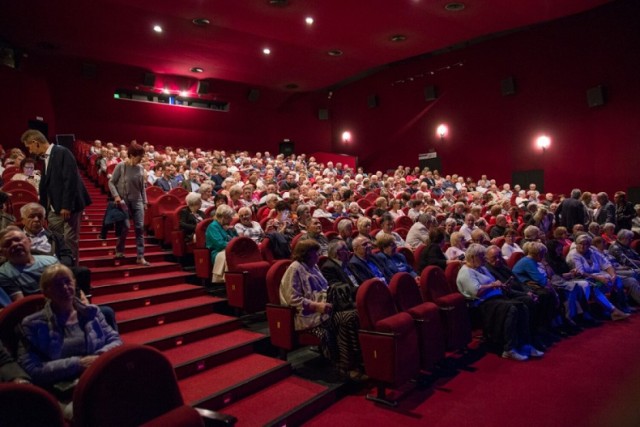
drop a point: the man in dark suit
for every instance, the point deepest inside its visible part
(607, 210)
(62, 192)
(364, 265)
(571, 211)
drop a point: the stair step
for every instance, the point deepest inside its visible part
(190, 359)
(95, 242)
(107, 286)
(152, 256)
(223, 385)
(111, 250)
(133, 270)
(154, 315)
(146, 297)
(175, 334)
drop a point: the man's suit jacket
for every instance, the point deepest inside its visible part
(606, 213)
(362, 271)
(61, 186)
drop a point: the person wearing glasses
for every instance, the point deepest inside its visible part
(29, 173)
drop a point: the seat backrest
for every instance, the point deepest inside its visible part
(241, 250)
(12, 316)
(417, 253)
(514, 258)
(265, 250)
(327, 224)
(433, 283)
(126, 386)
(403, 222)
(408, 254)
(201, 232)
(374, 303)
(364, 203)
(405, 291)
(165, 204)
(11, 186)
(21, 195)
(274, 277)
(153, 193)
(402, 232)
(179, 192)
(451, 274)
(295, 240)
(27, 405)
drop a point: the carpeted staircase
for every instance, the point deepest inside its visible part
(215, 358)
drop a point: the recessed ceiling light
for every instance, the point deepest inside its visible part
(454, 7)
(157, 28)
(291, 86)
(398, 38)
(197, 70)
(201, 22)
(165, 91)
(266, 51)
(309, 20)
(335, 52)
(184, 93)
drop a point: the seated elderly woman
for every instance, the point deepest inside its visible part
(505, 320)
(354, 211)
(248, 228)
(593, 267)
(433, 255)
(218, 235)
(394, 262)
(190, 216)
(609, 233)
(321, 208)
(364, 227)
(304, 287)
(386, 225)
(64, 338)
(395, 209)
(206, 191)
(419, 232)
(457, 248)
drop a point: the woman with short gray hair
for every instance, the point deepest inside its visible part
(219, 233)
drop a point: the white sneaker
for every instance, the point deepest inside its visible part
(514, 355)
(531, 351)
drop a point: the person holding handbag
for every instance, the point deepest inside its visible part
(127, 186)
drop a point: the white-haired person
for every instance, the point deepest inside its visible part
(190, 216)
(248, 228)
(219, 234)
(505, 320)
(457, 248)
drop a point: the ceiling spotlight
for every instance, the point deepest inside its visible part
(335, 52)
(197, 70)
(266, 51)
(201, 22)
(309, 20)
(157, 28)
(454, 7)
(165, 91)
(398, 38)
(442, 131)
(184, 93)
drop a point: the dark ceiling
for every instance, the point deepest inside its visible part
(231, 46)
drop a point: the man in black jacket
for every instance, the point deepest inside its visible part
(62, 192)
(571, 211)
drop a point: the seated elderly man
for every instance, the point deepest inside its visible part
(386, 225)
(499, 228)
(314, 232)
(419, 232)
(364, 265)
(626, 271)
(468, 226)
(246, 227)
(45, 242)
(622, 252)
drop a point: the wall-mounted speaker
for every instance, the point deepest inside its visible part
(596, 96)
(430, 93)
(323, 114)
(149, 79)
(253, 95)
(203, 87)
(508, 86)
(372, 101)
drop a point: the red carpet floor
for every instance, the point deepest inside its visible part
(592, 379)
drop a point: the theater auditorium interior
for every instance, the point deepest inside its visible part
(525, 92)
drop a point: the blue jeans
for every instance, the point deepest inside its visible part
(136, 213)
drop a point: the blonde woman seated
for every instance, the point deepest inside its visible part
(65, 337)
(218, 235)
(304, 287)
(505, 320)
(457, 248)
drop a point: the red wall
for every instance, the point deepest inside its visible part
(553, 66)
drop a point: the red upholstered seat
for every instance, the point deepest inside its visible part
(516, 256)
(201, 254)
(12, 316)
(403, 222)
(364, 203)
(245, 278)
(451, 274)
(408, 254)
(428, 323)
(12, 186)
(160, 210)
(434, 288)
(23, 405)
(388, 339)
(179, 192)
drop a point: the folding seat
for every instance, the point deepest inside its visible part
(295, 240)
(331, 235)
(12, 315)
(498, 241)
(265, 250)
(135, 385)
(417, 253)
(19, 198)
(403, 222)
(451, 274)
(431, 334)
(364, 203)
(202, 254)
(368, 212)
(8, 173)
(245, 278)
(11, 186)
(402, 232)
(327, 224)
(453, 306)
(514, 258)
(388, 339)
(179, 192)
(160, 210)
(27, 405)
(372, 196)
(153, 194)
(281, 317)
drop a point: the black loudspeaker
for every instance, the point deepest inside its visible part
(149, 79)
(203, 87)
(323, 114)
(596, 96)
(508, 86)
(430, 93)
(372, 101)
(286, 148)
(253, 95)
(89, 71)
